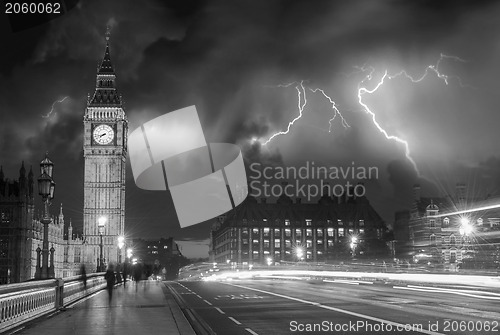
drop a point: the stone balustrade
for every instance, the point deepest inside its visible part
(23, 302)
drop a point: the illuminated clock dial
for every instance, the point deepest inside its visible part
(103, 134)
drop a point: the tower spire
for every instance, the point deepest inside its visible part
(105, 94)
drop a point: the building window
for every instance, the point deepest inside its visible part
(288, 232)
(308, 222)
(446, 221)
(277, 232)
(277, 243)
(361, 231)
(480, 221)
(453, 240)
(255, 241)
(432, 223)
(245, 241)
(339, 222)
(244, 231)
(319, 232)
(309, 233)
(433, 239)
(298, 232)
(341, 232)
(330, 232)
(266, 243)
(255, 231)
(287, 222)
(361, 223)
(330, 243)
(320, 241)
(77, 255)
(309, 244)
(266, 232)
(288, 243)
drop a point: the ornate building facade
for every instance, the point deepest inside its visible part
(454, 230)
(105, 152)
(21, 233)
(259, 232)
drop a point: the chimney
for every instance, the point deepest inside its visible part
(326, 189)
(350, 194)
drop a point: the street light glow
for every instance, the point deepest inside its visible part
(121, 242)
(102, 221)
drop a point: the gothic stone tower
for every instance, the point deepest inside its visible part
(105, 151)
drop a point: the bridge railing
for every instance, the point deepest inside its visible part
(23, 302)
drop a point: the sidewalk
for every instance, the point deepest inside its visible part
(146, 308)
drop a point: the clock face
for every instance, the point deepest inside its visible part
(103, 134)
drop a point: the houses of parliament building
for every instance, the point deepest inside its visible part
(105, 129)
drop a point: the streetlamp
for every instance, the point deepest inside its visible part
(121, 243)
(354, 243)
(101, 223)
(129, 253)
(300, 253)
(46, 188)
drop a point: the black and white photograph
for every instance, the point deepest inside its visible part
(201, 167)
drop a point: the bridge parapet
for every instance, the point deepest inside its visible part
(20, 303)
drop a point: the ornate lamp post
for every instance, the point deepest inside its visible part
(46, 188)
(121, 243)
(101, 223)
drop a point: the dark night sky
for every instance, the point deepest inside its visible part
(226, 57)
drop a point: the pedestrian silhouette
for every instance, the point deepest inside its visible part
(124, 273)
(110, 280)
(137, 274)
(83, 274)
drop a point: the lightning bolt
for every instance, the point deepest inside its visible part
(429, 69)
(53, 105)
(301, 104)
(362, 90)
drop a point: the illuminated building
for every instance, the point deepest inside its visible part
(256, 231)
(105, 151)
(455, 230)
(21, 233)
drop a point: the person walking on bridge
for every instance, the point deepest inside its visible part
(110, 281)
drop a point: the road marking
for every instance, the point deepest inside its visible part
(443, 290)
(219, 310)
(372, 318)
(199, 296)
(234, 320)
(342, 281)
(251, 331)
(208, 302)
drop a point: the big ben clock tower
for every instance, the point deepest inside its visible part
(105, 151)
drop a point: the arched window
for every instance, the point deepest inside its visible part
(446, 221)
(433, 239)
